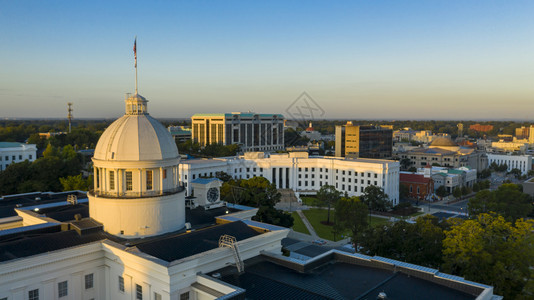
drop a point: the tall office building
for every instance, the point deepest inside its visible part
(254, 132)
(363, 141)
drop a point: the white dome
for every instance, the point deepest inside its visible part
(136, 138)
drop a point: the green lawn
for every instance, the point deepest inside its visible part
(308, 200)
(298, 225)
(315, 216)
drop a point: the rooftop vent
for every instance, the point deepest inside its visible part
(216, 275)
(382, 296)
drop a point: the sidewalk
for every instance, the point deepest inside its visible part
(307, 224)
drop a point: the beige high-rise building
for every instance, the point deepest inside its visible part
(254, 132)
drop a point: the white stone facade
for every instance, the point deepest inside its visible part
(301, 173)
(521, 162)
(15, 153)
(106, 262)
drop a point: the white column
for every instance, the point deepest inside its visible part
(94, 183)
(141, 181)
(161, 180)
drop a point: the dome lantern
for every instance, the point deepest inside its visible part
(136, 104)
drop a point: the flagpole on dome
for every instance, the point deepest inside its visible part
(135, 56)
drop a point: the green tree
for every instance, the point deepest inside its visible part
(508, 201)
(404, 191)
(351, 215)
(375, 198)
(516, 172)
(441, 191)
(50, 151)
(457, 192)
(328, 195)
(418, 243)
(405, 163)
(491, 250)
(77, 182)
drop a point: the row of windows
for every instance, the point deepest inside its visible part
(14, 157)
(62, 288)
(139, 291)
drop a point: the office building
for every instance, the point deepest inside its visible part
(364, 141)
(521, 162)
(300, 172)
(252, 131)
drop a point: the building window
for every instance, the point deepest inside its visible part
(129, 181)
(20, 157)
(184, 296)
(121, 283)
(33, 295)
(411, 189)
(418, 190)
(111, 180)
(31, 156)
(326, 170)
(89, 281)
(62, 289)
(138, 292)
(164, 173)
(148, 180)
(157, 296)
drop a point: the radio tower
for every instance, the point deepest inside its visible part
(69, 115)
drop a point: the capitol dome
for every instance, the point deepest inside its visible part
(137, 190)
(136, 136)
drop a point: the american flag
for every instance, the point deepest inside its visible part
(135, 51)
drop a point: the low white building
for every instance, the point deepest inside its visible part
(302, 173)
(450, 178)
(16, 152)
(521, 162)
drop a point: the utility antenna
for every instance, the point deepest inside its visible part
(69, 115)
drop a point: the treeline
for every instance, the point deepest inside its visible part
(57, 170)
(436, 126)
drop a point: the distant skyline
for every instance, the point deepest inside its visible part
(458, 60)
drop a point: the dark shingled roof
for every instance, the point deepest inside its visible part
(171, 248)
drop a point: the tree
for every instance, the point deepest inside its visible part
(404, 191)
(405, 163)
(507, 201)
(70, 183)
(375, 198)
(351, 215)
(418, 243)
(441, 191)
(412, 169)
(516, 172)
(457, 192)
(465, 191)
(258, 192)
(484, 173)
(328, 195)
(492, 251)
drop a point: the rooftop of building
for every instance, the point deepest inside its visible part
(10, 145)
(8, 203)
(240, 114)
(412, 177)
(443, 142)
(337, 275)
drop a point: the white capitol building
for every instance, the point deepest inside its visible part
(128, 239)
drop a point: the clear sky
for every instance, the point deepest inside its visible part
(357, 59)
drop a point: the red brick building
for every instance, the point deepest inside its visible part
(419, 186)
(481, 128)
